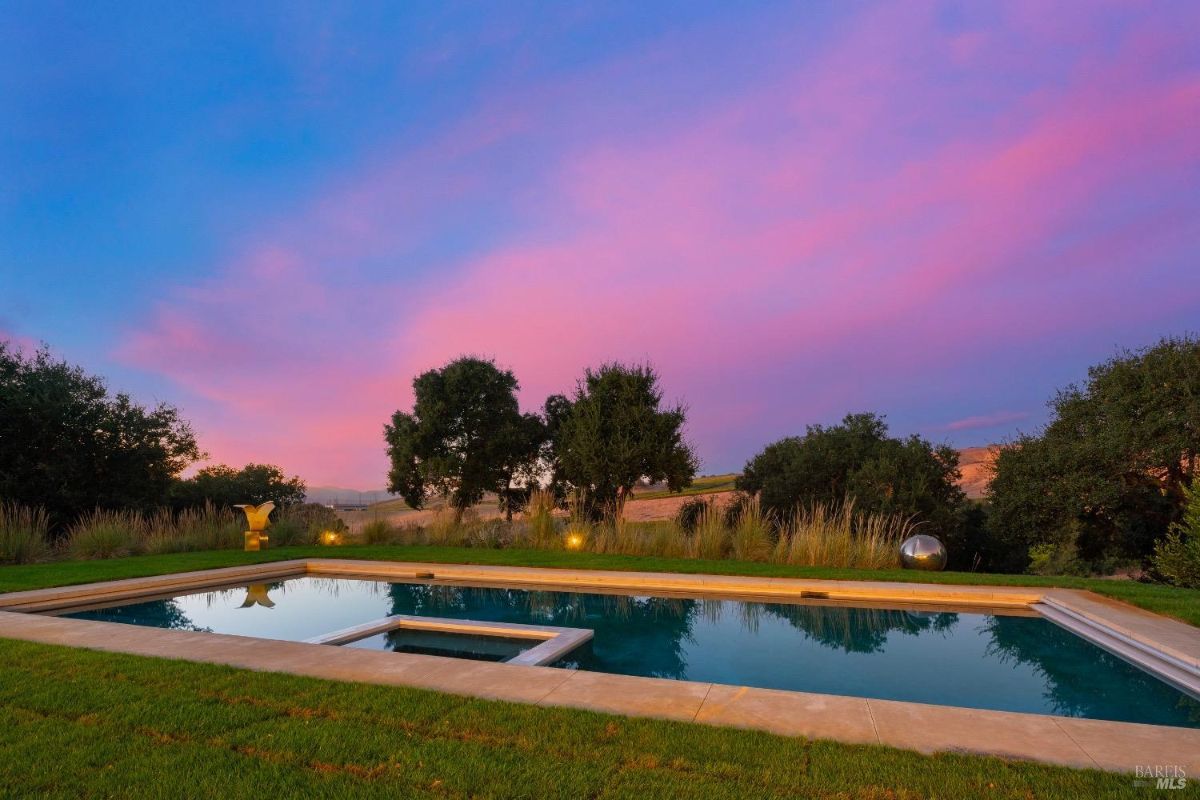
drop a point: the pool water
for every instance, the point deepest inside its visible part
(454, 645)
(975, 659)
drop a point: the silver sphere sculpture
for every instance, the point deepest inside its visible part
(923, 552)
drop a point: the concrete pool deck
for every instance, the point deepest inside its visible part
(1118, 746)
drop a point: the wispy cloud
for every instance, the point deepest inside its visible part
(855, 223)
(986, 421)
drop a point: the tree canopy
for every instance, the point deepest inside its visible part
(858, 460)
(465, 436)
(613, 433)
(1107, 475)
(225, 486)
(68, 445)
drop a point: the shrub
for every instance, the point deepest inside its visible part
(1054, 558)
(290, 532)
(737, 506)
(1177, 556)
(23, 534)
(885, 475)
(378, 531)
(494, 533)
(106, 534)
(1177, 559)
(688, 515)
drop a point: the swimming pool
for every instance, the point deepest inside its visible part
(1008, 660)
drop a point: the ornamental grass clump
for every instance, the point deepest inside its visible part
(205, 527)
(107, 534)
(378, 531)
(751, 538)
(24, 534)
(711, 538)
(541, 530)
(835, 535)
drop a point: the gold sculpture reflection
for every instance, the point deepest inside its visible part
(256, 595)
(257, 520)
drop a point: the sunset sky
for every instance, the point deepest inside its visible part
(273, 217)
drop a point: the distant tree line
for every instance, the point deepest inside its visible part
(69, 446)
(1108, 482)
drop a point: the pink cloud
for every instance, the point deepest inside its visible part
(982, 421)
(22, 344)
(781, 254)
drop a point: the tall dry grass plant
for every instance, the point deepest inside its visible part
(107, 534)
(541, 529)
(835, 535)
(24, 534)
(711, 538)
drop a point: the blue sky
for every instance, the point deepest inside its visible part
(274, 216)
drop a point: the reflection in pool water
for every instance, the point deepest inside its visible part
(972, 659)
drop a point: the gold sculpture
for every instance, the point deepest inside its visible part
(256, 595)
(257, 519)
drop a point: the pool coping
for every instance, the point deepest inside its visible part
(1116, 746)
(554, 641)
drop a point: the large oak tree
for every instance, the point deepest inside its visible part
(615, 432)
(465, 436)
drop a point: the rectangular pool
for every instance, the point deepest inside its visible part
(989, 659)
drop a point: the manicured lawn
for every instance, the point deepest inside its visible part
(1182, 604)
(77, 723)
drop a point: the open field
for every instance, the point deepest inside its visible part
(705, 484)
(1183, 604)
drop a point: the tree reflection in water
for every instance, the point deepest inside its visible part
(633, 635)
(646, 635)
(1081, 679)
(152, 613)
(859, 630)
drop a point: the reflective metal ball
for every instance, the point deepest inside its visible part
(923, 552)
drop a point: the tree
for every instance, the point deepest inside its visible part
(224, 486)
(858, 460)
(613, 433)
(465, 436)
(1107, 475)
(67, 445)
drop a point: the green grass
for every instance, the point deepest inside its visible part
(702, 485)
(1183, 604)
(78, 723)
